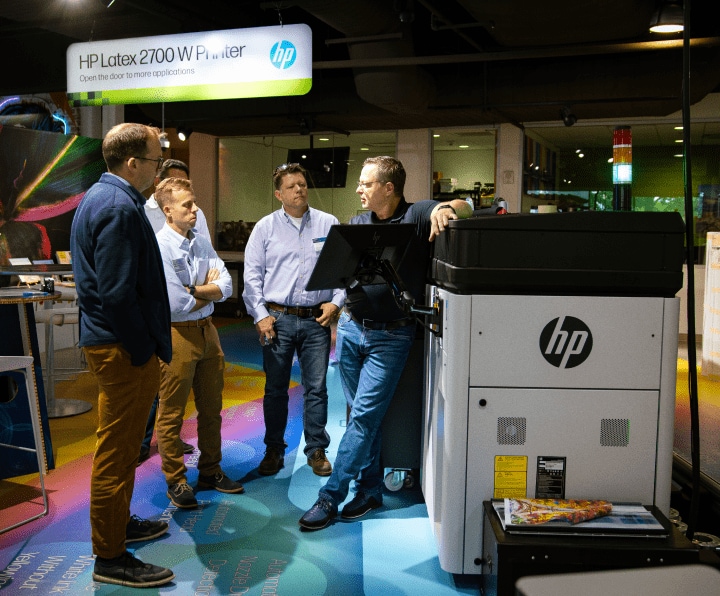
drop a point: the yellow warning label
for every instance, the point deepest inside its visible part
(511, 463)
(510, 477)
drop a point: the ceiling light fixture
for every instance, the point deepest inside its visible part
(668, 18)
(183, 132)
(567, 116)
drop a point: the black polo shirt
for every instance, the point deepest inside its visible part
(375, 301)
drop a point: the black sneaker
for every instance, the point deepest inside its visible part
(273, 461)
(181, 495)
(359, 506)
(126, 570)
(139, 529)
(187, 447)
(221, 483)
(319, 515)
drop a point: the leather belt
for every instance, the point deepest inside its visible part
(195, 323)
(382, 325)
(298, 311)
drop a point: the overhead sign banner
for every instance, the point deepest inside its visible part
(254, 62)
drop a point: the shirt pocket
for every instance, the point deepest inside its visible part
(181, 270)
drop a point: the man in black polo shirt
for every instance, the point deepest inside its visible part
(374, 337)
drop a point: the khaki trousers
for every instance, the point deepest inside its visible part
(198, 363)
(126, 393)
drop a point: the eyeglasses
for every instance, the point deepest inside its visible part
(283, 167)
(366, 185)
(158, 160)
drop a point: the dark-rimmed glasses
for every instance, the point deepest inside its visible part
(158, 160)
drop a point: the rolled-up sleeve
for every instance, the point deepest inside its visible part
(224, 282)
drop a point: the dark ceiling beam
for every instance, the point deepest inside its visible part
(435, 13)
(527, 54)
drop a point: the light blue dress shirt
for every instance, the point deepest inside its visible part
(279, 259)
(186, 262)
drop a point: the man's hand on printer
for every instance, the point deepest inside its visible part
(444, 212)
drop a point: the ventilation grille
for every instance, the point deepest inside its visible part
(614, 432)
(511, 431)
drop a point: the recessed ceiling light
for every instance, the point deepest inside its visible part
(677, 128)
(463, 146)
(323, 139)
(436, 136)
(678, 155)
(364, 148)
(678, 140)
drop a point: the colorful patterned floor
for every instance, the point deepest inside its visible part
(233, 544)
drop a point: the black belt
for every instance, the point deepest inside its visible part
(298, 311)
(382, 325)
(195, 323)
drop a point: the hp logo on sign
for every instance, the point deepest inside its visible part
(283, 54)
(566, 342)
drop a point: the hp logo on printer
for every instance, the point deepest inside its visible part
(566, 342)
(283, 54)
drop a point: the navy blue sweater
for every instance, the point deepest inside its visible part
(119, 273)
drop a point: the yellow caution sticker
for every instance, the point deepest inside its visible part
(510, 477)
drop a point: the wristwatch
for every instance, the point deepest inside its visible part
(448, 207)
(191, 289)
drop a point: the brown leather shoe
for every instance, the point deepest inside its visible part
(319, 463)
(272, 462)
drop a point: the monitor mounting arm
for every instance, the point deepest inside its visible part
(402, 297)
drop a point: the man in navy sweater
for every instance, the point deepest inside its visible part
(124, 333)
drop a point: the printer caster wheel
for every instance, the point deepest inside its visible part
(399, 478)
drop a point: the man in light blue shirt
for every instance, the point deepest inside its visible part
(279, 257)
(171, 168)
(196, 278)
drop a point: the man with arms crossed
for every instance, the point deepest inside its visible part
(279, 257)
(124, 333)
(171, 168)
(196, 278)
(374, 338)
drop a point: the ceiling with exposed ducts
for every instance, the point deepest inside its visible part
(397, 64)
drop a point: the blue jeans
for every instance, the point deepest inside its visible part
(371, 362)
(311, 341)
(150, 426)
